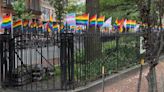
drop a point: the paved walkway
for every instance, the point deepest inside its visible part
(130, 83)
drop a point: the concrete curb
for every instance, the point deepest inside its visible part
(111, 79)
(108, 80)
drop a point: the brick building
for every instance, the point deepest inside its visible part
(47, 10)
(31, 5)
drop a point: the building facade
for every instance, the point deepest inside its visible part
(31, 5)
(47, 10)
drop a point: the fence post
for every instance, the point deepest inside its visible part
(67, 60)
(117, 48)
(1, 56)
(11, 58)
(63, 60)
(103, 78)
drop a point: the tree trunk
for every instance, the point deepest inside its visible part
(147, 12)
(160, 13)
(152, 82)
(92, 41)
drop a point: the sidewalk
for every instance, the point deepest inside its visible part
(130, 83)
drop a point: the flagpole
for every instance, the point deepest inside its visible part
(88, 23)
(96, 24)
(130, 26)
(11, 26)
(22, 25)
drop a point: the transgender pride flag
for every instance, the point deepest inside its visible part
(71, 19)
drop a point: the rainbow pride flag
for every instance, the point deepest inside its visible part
(61, 28)
(82, 19)
(49, 27)
(119, 22)
(55, 27)
(40, 25)
(71, 19)
(51, 19)
(72, 28)
(6, 22)
(131, 24)
(100, 21)
(17, 24)
(119, 25)
(92, 20)
(25, 23)
(121, 28)
(33, 25)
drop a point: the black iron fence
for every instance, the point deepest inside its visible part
(34, 61)
(113, 51)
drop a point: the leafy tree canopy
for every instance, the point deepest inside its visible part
(20, 10)
(60, 8)
(75, 6)
(115, 8)
(119, 9)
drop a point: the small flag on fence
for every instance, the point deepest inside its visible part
(49, 27)
(130, 23)
(100, 21)
(25, 23)
(136, 28)
(119, 25)
(61, 28)
(121, 28)
(6, 22)
(33, 25)
(72, 28)
(119, 22)
(93, 20)
(82, 19)
(55, 27)
(108, 22)
(17, 24)
(71, 19)
(51, 19)
(40, 25)
(0, 22)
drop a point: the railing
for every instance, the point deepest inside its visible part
(61, 61)
(113, 51)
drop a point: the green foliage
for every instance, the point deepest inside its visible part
(125, 53)
(57, 70)
(60, 8)
(115, 57)
(74, 7)
(119, 9)
(19, 6)
(20, 10)
(79, 56)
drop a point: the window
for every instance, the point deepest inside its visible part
(37, 5)
(34, 5)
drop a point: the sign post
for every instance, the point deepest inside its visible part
(103, 78)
